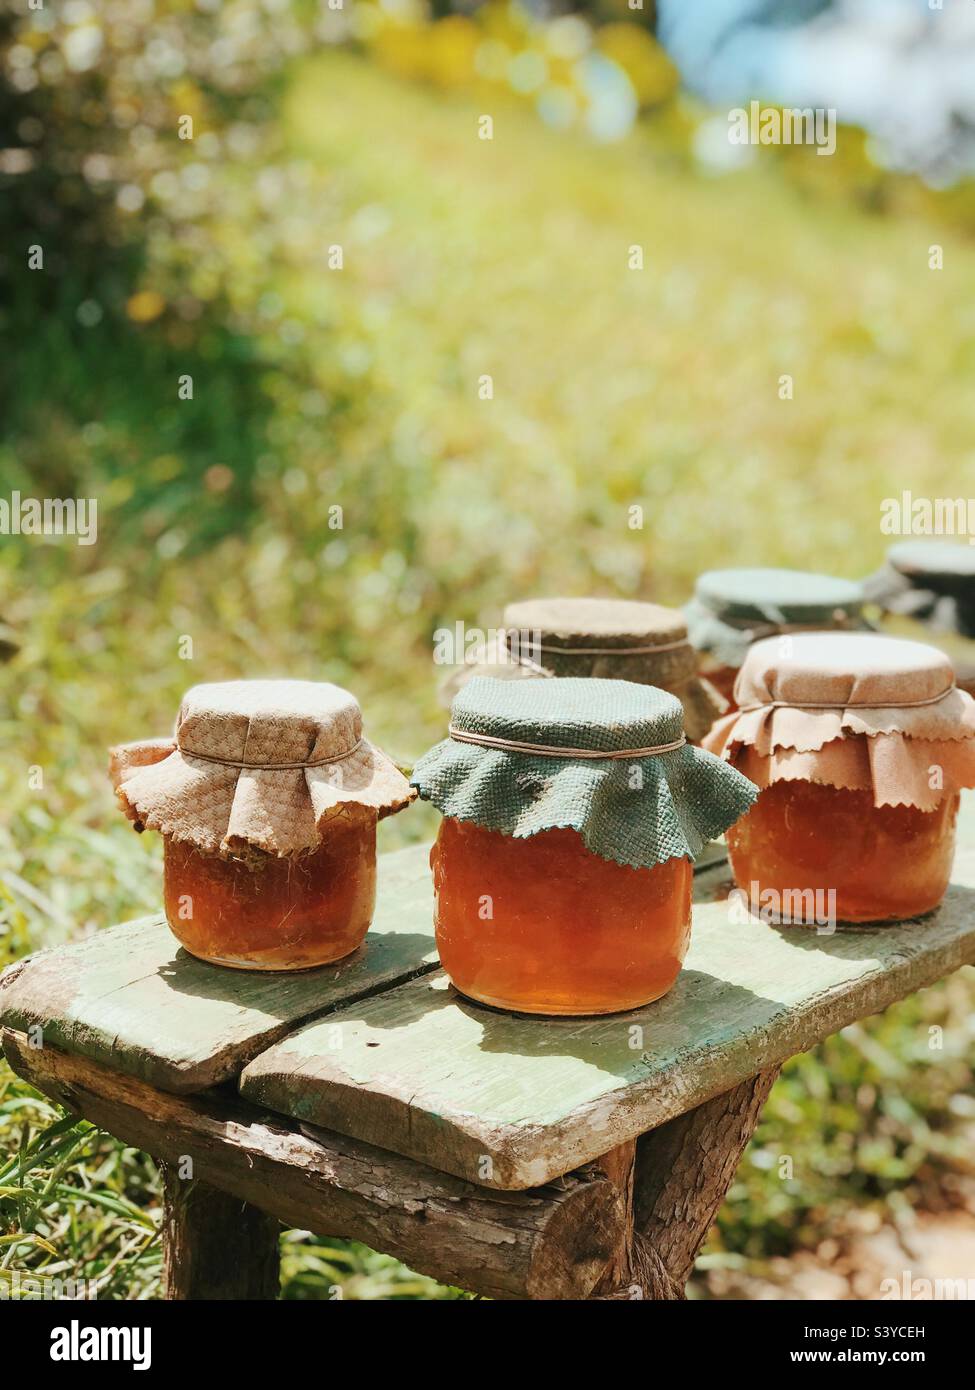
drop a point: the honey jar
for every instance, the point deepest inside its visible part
(860, 744)
(603, 638)
(573, 809)
(733, 608)
(926, 590)
(267, 800)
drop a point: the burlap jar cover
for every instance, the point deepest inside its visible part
(257, 765)
(733, 608)
(605, 639)
(606, 758)
(851, 710)
(933, 581)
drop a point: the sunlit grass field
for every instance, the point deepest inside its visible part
(363, 388)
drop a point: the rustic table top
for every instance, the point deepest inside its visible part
(380, 1047)
(132, 998)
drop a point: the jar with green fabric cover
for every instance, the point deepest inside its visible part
(573, 810)
(733, 608)
(926, 590)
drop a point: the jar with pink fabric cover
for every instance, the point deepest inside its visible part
(861, 744)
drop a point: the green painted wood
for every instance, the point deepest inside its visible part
(512, 1102)
(131, 998)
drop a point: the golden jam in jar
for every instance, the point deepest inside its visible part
(723, 679)
(883, 863)
(264, 912)
(543, 926)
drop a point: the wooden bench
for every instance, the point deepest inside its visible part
(515, 1157)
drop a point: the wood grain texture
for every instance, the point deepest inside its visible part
(215, 1246)
(513, 1101)
(619, 1165)
(684, 1168)
(132, 998)
(675, 1178)
(553, 1243)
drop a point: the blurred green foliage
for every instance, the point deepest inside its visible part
(315, 387)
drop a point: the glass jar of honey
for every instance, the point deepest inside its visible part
(602, 638)
(860, 743)
(926, 591)
(573, 809)
(731, 609)
(267, 800)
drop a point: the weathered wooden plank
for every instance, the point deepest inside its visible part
(132, 998)
(129, 996)
(512, 1102)
(551, 1243)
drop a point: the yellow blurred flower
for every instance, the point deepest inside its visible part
(144, 306)
(164, 467)
(402, 49)
(452, 45)
(652, 75)
(186, 99)
(507, 23)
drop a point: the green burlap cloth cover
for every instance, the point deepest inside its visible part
(639, 810)
(733, 608)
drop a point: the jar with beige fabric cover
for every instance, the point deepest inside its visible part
(860, 744)
(599, 638)
(267, 799)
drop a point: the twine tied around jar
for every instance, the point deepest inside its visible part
(845, 704)
(859, 711)
(270, 767)
(261, 763)
(649, 649)
(546, 750)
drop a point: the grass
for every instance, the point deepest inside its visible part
(359, 388)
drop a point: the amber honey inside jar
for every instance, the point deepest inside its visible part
(262, 912)
(881, 863)
(860, 743)
(573, 808)
(723, 679)
(541, 925)
(267, 799)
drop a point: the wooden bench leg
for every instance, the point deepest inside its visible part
(673, 1180)
(215, 1246)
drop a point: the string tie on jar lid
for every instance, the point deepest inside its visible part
(547, 750)
(515, 645)
(615, 651)
(271, 767)
(845, 704)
